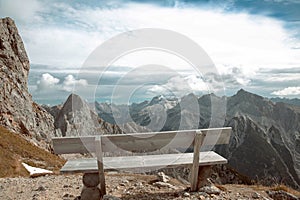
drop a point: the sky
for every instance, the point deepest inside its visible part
(254, 45)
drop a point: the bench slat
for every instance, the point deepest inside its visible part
(149, 142)
(147, 161)
(140, 142)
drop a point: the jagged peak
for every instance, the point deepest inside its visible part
(156, 99)
(245, 93)
(161, 98)
(74, 102)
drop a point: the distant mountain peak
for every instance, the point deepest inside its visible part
(157, 99)
(244, 92)
(163, 100)
(245, 95)
(76, 118)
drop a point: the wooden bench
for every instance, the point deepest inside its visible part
(158, 144)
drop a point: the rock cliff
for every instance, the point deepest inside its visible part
(18, 112)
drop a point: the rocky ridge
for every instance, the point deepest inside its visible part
(18, 112)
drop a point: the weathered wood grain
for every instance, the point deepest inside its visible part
(100, 164)
(195, 167)
(147, 161)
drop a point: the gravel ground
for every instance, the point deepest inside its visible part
(124, 186)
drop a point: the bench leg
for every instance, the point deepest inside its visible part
(91, 189)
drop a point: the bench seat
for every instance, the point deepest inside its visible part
(145, 161)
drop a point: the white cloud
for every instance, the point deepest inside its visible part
(289, 91)
(71, 83)
(64, 36)
(25, 11)
(59, 46)
(237, 39)
(47, 81)
(179, 86)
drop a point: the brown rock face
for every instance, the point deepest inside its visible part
(18, 112)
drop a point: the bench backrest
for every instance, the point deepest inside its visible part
(141, 142)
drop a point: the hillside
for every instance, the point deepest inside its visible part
(294, 101)
(14, 150)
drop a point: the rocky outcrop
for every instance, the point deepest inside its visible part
(76, 119)
(18, 112)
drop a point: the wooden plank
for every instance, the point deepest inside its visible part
(148, 142)
(141, 142)
(147, 161)
(99, 155)
(195, 167)
(216, 136)
(68, 145)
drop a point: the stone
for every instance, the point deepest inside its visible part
(110, 197)
(90, 179)
(35, 197)
(68, 196)
(201, 197)
(125, 181)
(40, 189)
(138, 184)
(210, 190)
(163, 184)
(255, 195)
(88, 193)
(278, 195)
(162, 177)
(67, 186)
(186, 194)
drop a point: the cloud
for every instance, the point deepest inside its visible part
(240, 39)
(47, 81)
(59, 46)
(239, 43)
(71, 83)
(289, 91)
(179, 86)
(234, 77)
(22, 12)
